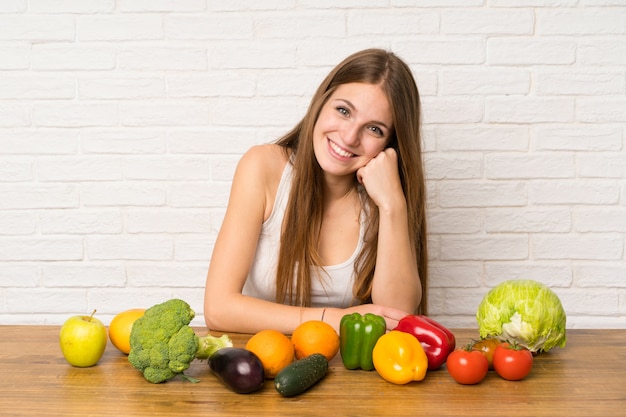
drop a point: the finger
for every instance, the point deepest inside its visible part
(395, 314)
(390, 151)
(391, 324)
(359, 176)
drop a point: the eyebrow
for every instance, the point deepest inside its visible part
(349, 103)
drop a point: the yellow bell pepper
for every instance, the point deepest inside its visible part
(399, 358)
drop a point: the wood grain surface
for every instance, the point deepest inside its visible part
(586, 378)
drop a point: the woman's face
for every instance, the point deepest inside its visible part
(353, 126)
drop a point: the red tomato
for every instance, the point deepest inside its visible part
(467, 366)
(512, 362)
(487, 347)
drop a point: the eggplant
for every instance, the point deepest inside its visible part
(239, 369)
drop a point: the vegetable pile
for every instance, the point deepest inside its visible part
(405, 354)
(470, 364)
(525, 312)
(162, 345)
(516, 319)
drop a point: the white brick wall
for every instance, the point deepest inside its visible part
(121, 123)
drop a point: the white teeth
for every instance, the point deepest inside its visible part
(340, 151)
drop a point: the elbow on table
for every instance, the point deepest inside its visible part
(217, 316)
(211, 316)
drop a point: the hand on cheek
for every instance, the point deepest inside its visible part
(380, 176)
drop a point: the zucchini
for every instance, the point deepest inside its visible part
(301, 375)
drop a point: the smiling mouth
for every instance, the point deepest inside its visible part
(340, 151)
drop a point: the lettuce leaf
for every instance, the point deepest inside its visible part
(523, 311)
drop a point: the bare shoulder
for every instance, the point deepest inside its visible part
(266, 162)
(258, 176)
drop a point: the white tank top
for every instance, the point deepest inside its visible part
(334, 289)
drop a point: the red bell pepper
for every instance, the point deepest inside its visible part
(438, 341)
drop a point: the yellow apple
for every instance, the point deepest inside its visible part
(83, 340)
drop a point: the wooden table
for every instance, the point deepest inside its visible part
(586, 378)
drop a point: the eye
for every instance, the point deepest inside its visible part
(376, 130)
(343, 111)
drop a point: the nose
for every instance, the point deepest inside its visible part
(351, 134)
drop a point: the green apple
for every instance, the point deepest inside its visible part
(83, 340)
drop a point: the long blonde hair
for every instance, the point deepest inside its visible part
(303, 217)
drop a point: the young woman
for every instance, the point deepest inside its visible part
(330, 219)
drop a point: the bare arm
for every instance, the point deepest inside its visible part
(396, 279)
(225, 307)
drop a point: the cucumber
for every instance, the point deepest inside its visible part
(301, 375)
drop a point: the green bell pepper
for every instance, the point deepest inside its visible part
(358, 335)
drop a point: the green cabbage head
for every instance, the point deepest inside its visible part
(523, 311)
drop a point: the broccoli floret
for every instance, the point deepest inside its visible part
(183, 347)
(162, 345)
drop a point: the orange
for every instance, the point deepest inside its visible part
(273, 348)
(120, 327)
(315, 336)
